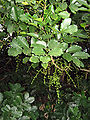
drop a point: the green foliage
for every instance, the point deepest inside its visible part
(17, 106)
(72, 108)
(47, 36)
(48, 25)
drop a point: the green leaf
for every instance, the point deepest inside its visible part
(15, 112)
(26, 95)
(53, 44)
(80, 34)
(66, 22)
(56, 52)
(30, 100)
(44, 65)
(67, 56)
(18, 100)
(18, 1)
(10, 28)
(81, 55)
(34, 65)
(34, 108)
(14, 14)
(64, 14)
(33, 35)
(34, 59)
(20, 42)
(32, 29)
(74, 48)
(27, 51)
(62, 6)
(38, 19)
(54, 16)
(45, 59)
(73, 8)
(63, 46)
(58, 9)
(25, 3)
(84, 2)
(1, 97)
(22, 26)
(33, 24)
(77, 62)
(51, 8)
(71, 29)
(14, 51)
(25, 60)
(83, 9)
(41, 43)
(38, 51)
(24, 18)
(2, 34)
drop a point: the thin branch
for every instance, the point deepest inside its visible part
(85, 70)
(55, 64)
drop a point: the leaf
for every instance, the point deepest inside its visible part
(73, 8)
(74, 48)
(81, 55)
(23, 42)
(25, 60)
(63, 46)
(27, 51)
(24, 18)
(67, 56)
(34, 59)
(33, 35)
(44, 65)
(17, 1)
(56, 52)
(14, 51)
(53, 44)
(38, 51)
(10, 28)
(38, 19)
(83, 9)
(19, 42)
(45, 59)
(80, 34)
(78, 62)
(32, 29)
(18, 100)
(30, 100)
(66, 22)
(41, 43)
(15, 44)
(34, 65)
(1, 97)
(14, 14)
(25, 3)
(22, 26)
(26, 95)
(84, 2)
(63, 6)
(54, 16)
(33, 24)
(71, 29)
(64, 14)
(51, 7)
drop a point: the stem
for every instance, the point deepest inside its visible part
(55, 64)
(85, 70)
(36, 76)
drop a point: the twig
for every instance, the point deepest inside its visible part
(85, 70)
(55, 64)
